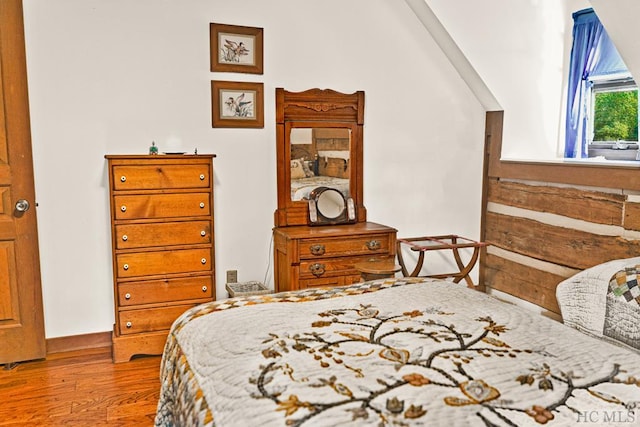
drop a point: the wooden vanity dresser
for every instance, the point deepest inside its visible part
(163, 245)
(322, 129)
(325, 256)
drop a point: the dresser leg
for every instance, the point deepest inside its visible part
(126, 346)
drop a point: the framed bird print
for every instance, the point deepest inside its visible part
(237, 104)
(236, 49)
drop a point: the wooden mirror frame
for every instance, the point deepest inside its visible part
(316, 108)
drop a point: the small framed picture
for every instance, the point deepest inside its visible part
(237, 104)
(236, 49)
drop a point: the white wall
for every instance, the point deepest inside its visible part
(110, 76)
(521, 50)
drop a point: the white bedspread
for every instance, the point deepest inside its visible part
(396, 352)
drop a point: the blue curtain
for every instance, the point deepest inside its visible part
(592, 54)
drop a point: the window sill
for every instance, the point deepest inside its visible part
(614, 152)
(599, 161)
(606, 161)
(614, 145)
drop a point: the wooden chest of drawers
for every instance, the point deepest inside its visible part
(162, 240)
(325, 256)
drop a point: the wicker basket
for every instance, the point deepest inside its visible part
(246, 289)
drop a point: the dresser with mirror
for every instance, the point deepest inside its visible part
(321, 229)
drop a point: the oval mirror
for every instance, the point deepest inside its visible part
(330, 203)
(320, 156)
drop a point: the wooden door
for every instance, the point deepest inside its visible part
(21, 311)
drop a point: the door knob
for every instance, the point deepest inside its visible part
(22, 205)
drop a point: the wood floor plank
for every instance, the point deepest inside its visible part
(79, 389)
(144, 403)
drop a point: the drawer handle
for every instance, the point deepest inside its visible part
(129, 325)
(317, 249)
(204, 289)
(201, 205)
(317, 269)
(203, 260)
(201, 177)
(125, 237)
(123, 208)
(126, 266)
(123, 178)
(372, 245)
(127, 296)
(203, 233)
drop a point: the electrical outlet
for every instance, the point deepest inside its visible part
(232, 276)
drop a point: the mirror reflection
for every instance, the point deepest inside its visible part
(319, 157)
(330, 204)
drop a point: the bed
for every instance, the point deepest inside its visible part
(402, 351)
(331, 170)
(300, 188)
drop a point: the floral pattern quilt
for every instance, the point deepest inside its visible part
(301, 188)
(395, 352)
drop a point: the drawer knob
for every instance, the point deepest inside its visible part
(125, 237)
(129, 324)
(123, 208)
(372, 245)
(203, 233)
(126, 266)
(317, 269)
(204, 289)
(123, 178)
(201, 205)
(127, 296)
(201, 177)
(317, 249)
(203, 260)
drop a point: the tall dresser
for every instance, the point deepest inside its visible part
(163, 245)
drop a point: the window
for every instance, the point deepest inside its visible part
(602, 103)
(613, 110)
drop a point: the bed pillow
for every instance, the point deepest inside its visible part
(297, 171)
(595, 301)
(334, 167)
(307, 171)
(622, 316)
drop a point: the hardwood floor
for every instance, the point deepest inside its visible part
(80, 388)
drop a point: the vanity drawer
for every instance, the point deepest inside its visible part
(151, 206)
(163, 262)
(130, 236)
(321, 268)
(153, 177)
(318, 283)
(325, 267)
(359, 245)
(150, 319)
(160, 291)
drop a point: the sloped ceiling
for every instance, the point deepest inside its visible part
(620, 18)
(455, 55)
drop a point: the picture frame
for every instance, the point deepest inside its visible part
(236, 49)
(237, 104)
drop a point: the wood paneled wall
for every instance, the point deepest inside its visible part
(548, 221)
